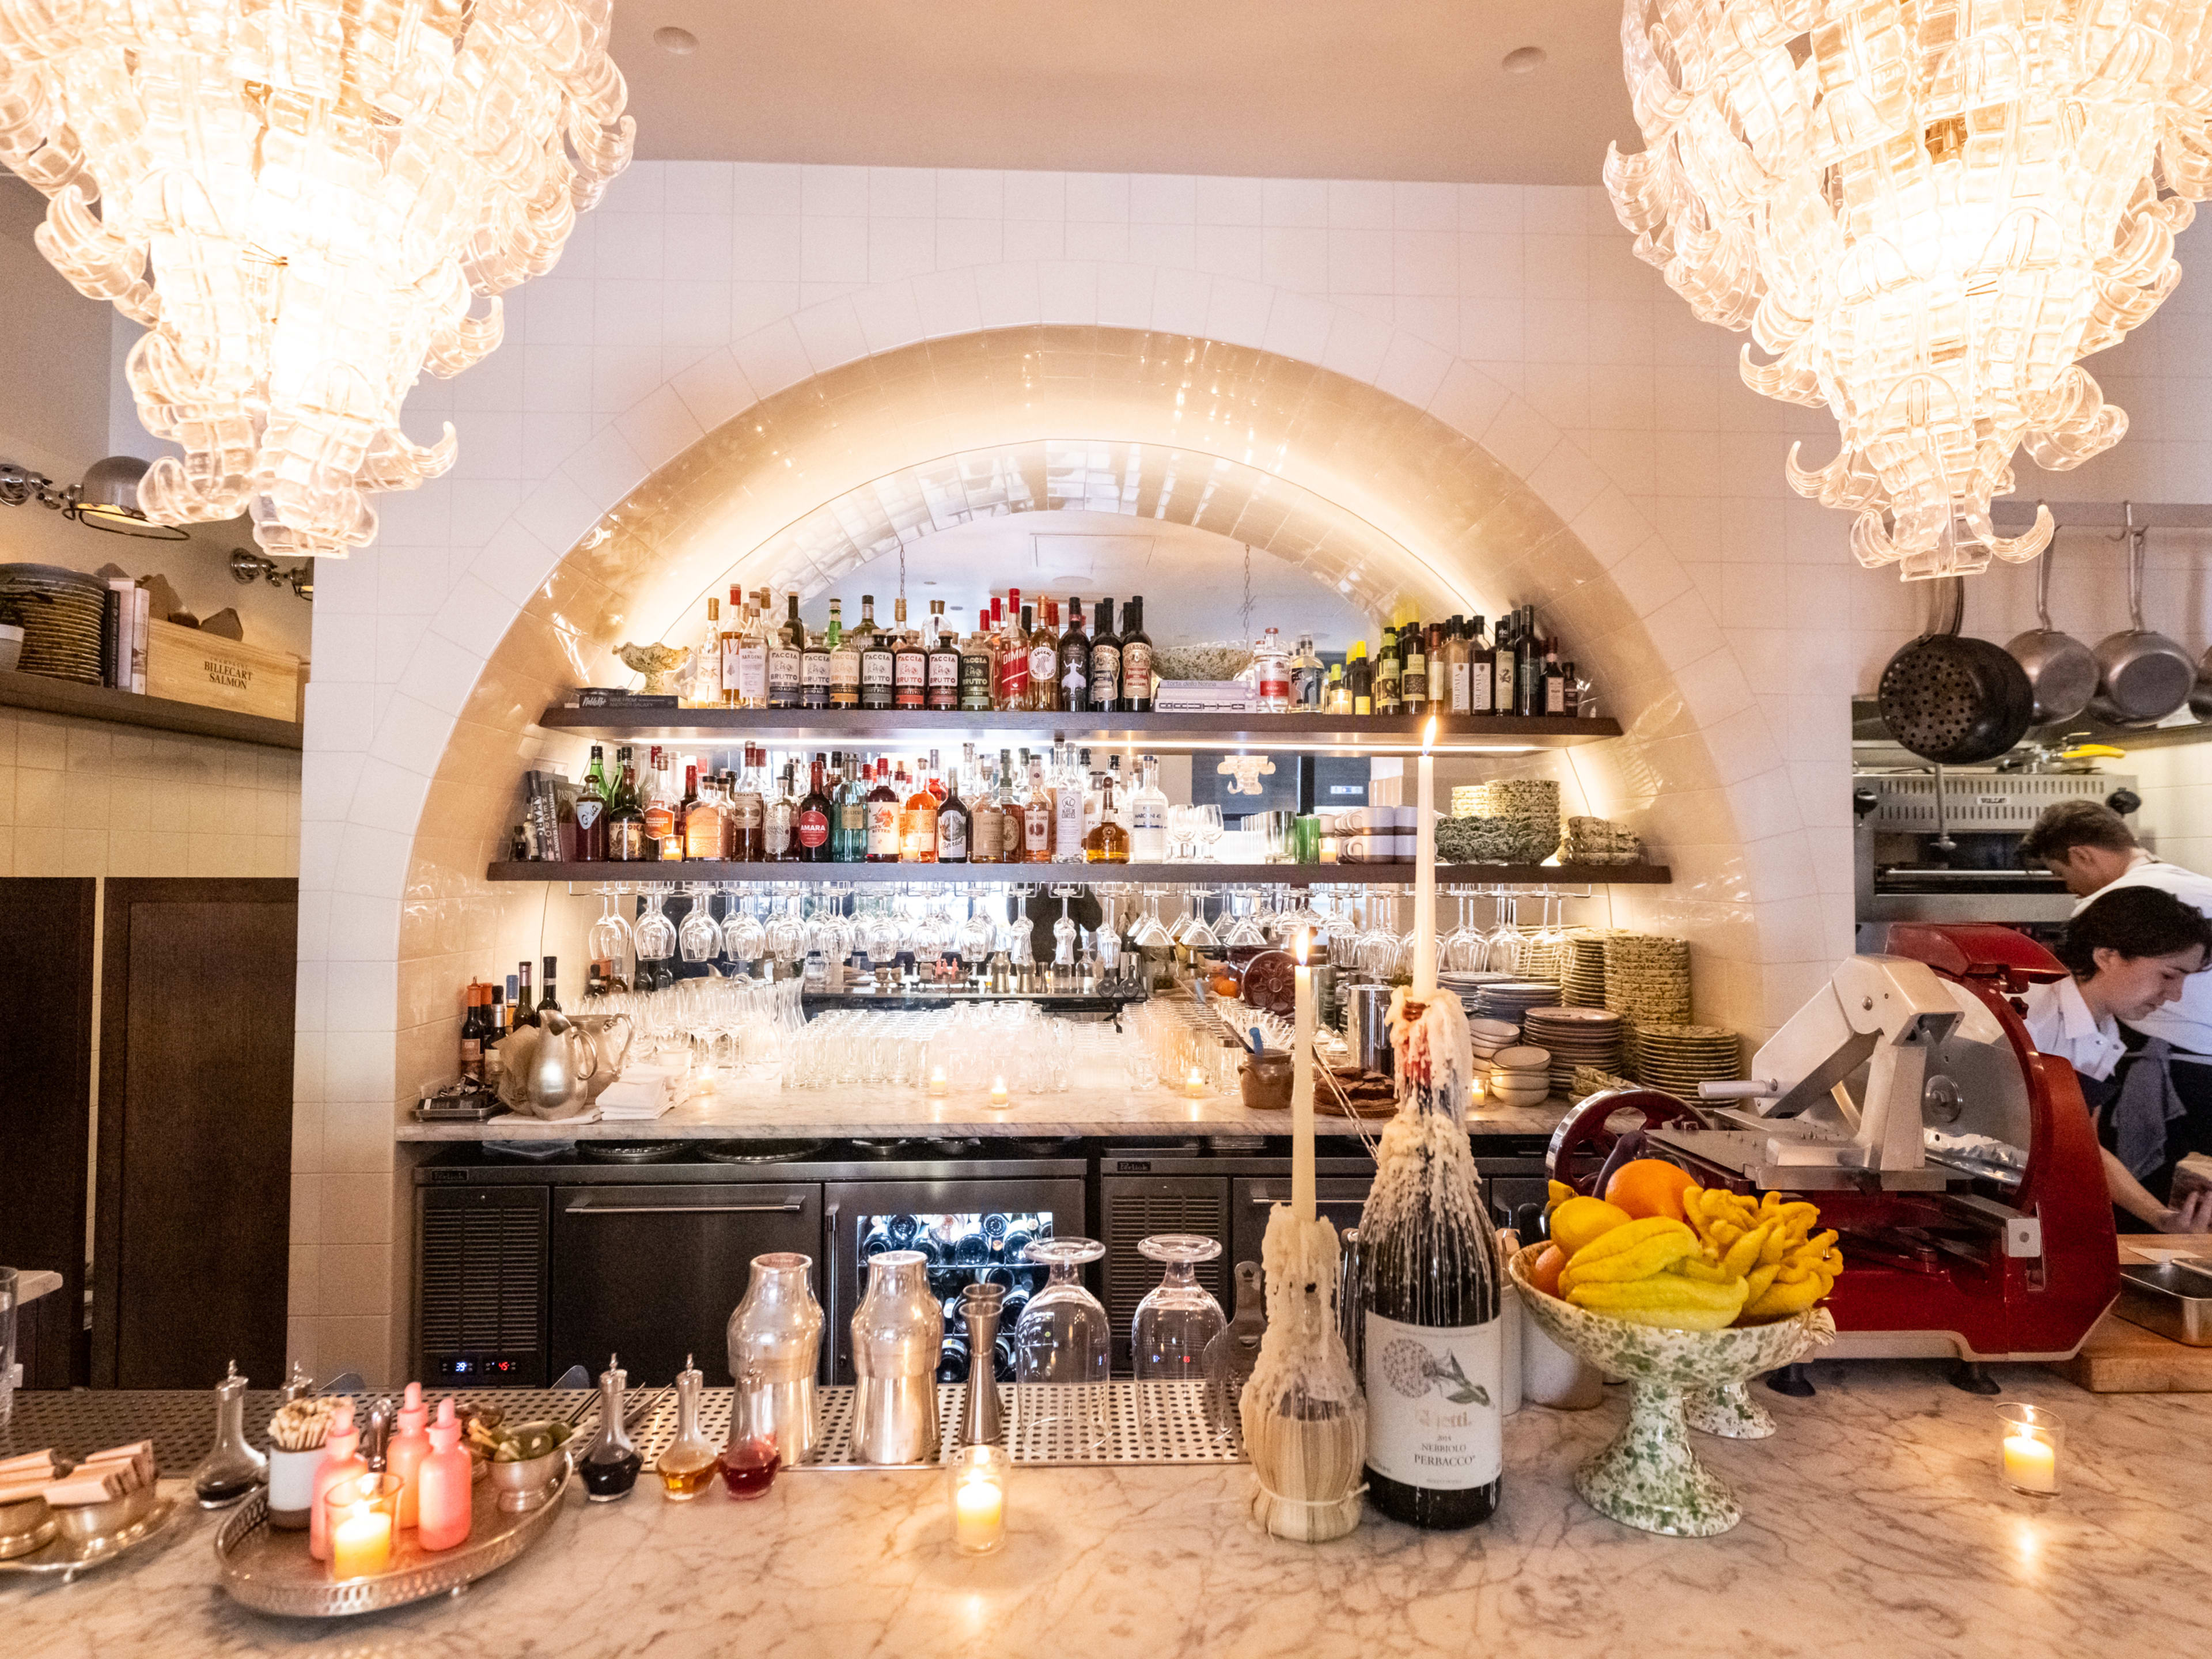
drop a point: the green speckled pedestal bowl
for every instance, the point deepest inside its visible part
(1649, 1477)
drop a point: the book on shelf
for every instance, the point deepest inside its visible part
(603, 696)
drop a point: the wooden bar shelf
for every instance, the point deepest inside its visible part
(44, 695)
(1045, 875)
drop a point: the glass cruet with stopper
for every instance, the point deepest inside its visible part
(611, 1462)
(687, 1468)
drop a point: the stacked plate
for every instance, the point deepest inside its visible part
(1530, 807)
(1511, 998)
(1520, 1075)
(61, 612)
(1577, 1037)
(1581, 981)
(1647, 981)
(1678, 1058)
(1487, 1037)
(1599, 840)
(1590, 1080)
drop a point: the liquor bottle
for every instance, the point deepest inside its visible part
(909, 662)
(1014, 806)
(1440, 665)
(942, 669)
(1389, 676)
(706, 821)
(986, 819)
(953, 816)
(1335, 695)
(626, 841)
(1359, 679)
(883, 817)
(701, 680)
(548, 1001)
(848, 826)
(746, 839)
(1044, 661)
(1075, 661)
(1309, 678)
(526, 1012)
(1068, 788)
(1036, 818)
(786, 654)
(1105, 661)
(659, 807)
(1428, 1262)
(1271, 674)
(1474, 662)
(502, 1022)
(1413, 671)
(564, 826)
(592, 803)
(1529, 666)
(475, 1028)
(979, 671)
(779, 820)
(918, 824)
(844, 660)
(752, 660)
(1107, 842)
(1555, 682)
(875, 659)
(1013, 659)
(1136, 661)
(813, 667)
(1148, 818)
(811, 824)
(1573, 693)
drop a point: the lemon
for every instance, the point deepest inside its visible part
(1579, 1220)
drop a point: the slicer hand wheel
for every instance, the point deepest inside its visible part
(1582, 1146)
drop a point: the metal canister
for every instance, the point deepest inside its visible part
(775, 1347)
(1352, 1301)
(1367, 1026)
(897, 1332)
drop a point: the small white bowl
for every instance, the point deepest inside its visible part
(1525, 1057)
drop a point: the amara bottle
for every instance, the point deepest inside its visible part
(1434, 1342)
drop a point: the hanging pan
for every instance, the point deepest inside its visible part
(2142, 677)
(2062, 671)
(1956, 702)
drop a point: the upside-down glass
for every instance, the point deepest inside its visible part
(1062, 1346)
(1175, 1323)
(655, 935)
(699, 938)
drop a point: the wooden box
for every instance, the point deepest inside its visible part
(186, 666)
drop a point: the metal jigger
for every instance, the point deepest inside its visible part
(982, 1416)
(231, 1468)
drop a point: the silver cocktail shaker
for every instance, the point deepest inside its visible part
(775, 1349)
(897, 1332)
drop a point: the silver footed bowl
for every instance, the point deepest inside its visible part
(1649, 1477)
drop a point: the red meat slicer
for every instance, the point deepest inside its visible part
(1959, 1166)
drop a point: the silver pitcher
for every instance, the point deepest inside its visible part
(775, 1348)
(608, 1036)
(898, 1331)
(550, 1066)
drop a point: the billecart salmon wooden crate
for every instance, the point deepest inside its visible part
(186, 666)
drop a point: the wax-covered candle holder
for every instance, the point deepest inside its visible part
(362, 1518)
(2030, 1439)
(977, 1484)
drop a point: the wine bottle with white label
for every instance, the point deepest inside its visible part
(1429, 1289)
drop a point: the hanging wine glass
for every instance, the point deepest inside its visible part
(1507, 940)
(1245, 932)
(1196, 934)
(743, 936)
(786, 936)
(699, 938)
(655, 935)
(1152, 933)
(610, 940)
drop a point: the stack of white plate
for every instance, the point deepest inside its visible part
(1576, 1036)
(1520, 1075)
(1510, 999)
(1487, 1037)
(1678, 1058)
(1647, 981)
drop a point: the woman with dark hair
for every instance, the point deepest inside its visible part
(2128, 953)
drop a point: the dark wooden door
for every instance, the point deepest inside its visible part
(192, 1217)
(45, 1107)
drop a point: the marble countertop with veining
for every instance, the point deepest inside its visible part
(1875, 1528)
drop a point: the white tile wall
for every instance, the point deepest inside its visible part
(1518, 314)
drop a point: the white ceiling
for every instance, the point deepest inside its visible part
(1411, 89)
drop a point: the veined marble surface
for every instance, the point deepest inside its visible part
(1876, 1527)
(739, 1113)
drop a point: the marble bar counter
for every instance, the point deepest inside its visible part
(735, 1112)
(1876, 1527)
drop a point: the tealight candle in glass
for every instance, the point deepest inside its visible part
(363, 1517)
(978, 1491)
(999, 1096)
(1195, 1083)
(2031, 1437)
(939, 1083)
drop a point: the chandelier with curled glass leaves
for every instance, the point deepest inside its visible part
(307, 202)
(1927, 213)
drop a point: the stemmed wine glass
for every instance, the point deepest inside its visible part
(1245, 932)
(743, 936)
(1464, 949)
(611, 939)
(1062, 1346)
(655, 935)
(786, 936)
(699, 938)
(1174, 1323)
(1196, 935)
(1507, 941)
(1152, 933)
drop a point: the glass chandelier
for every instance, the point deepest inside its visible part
(1926, 213)
(303, 201)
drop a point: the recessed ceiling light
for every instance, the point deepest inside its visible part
(1521, 60)
(683, 43)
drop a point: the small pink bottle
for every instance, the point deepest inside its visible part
(342, 1460)
(410, 1445)
(442, 1486)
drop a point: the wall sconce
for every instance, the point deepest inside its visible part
(107, 499)
(245, 567)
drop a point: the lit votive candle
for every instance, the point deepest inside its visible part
(979, 1499)
(999, 1096)
(363, 1515)
(938, 1083)
(1194, 1084)
(2030, 1450)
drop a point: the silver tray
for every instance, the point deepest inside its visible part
(69, 1558)
(271, 1571)
(2173, 1298)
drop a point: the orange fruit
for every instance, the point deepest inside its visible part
(1544, 1273)
(1648, 1186)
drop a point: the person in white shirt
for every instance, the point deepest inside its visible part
(2135, 947)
